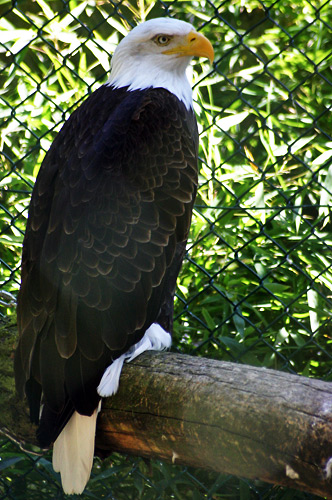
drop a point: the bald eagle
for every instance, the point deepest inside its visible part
(106, 234)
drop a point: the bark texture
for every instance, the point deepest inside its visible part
(231, 418)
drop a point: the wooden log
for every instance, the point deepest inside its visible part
(231, 418)
(227, 417)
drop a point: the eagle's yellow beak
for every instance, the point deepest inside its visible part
(196, 45)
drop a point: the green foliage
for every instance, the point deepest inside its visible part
(31, 477)
(256, 285)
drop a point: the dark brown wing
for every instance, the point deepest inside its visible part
(108, 222)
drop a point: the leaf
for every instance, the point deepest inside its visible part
(232, 343)
(313, 303)
(230, 121)
(325, 195)
(49, 14)
(208, 318)
(322, 158)
(99, 54)
(239, 322)
(276, 288)
(285, 149)
(8, 462)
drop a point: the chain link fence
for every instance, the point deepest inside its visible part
(256, 286)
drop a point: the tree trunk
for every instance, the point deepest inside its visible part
(227, 417)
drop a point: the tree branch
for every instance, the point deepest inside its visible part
(231, 418)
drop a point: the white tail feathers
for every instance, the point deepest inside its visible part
(155, 339)
(73, 452)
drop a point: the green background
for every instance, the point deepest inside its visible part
(256, 285)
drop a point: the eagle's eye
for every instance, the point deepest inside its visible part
(162, 40)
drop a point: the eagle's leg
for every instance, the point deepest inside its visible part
(155, 339)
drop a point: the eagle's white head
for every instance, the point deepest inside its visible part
(156, 54)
